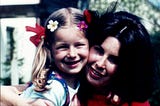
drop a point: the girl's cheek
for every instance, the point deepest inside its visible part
(85, 51)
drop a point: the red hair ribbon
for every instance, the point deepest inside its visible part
(88, 16)
(40, 32)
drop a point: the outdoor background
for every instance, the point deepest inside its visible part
(17, 52)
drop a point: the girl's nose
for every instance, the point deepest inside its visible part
(72, 52)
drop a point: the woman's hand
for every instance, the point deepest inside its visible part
(40, 102)
(10, 97)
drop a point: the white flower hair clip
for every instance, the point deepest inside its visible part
(53, 25)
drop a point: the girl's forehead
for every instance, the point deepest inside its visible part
(69, 33)
(70, 27)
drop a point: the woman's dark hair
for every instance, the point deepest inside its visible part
(133, 80)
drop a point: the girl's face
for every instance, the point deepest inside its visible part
(70, 50)
(102, 62)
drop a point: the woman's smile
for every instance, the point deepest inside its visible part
(94, 74)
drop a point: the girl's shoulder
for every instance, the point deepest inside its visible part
(58, 87)
(54, 80)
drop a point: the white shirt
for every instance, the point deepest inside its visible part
(57, 94)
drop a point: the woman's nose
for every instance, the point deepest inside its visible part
(101, 63)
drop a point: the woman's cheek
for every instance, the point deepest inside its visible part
(92, 57)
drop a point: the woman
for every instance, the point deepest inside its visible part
(120, 65)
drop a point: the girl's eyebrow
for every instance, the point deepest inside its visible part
(61, 44)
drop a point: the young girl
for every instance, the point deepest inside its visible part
(62, 53)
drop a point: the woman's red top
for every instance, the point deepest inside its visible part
(100, 100)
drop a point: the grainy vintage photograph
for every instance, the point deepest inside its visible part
(80, 52)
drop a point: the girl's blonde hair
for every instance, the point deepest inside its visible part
(42, 62)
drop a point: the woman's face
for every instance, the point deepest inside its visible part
(102, 62)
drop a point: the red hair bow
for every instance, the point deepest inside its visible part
(88, 16)
(40, 32)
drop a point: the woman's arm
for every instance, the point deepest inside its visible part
(10, 97)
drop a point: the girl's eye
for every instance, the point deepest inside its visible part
(113, 59)
(62, 47)
(79, 44)
(99, 49)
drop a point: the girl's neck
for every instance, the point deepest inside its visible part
(71, 80)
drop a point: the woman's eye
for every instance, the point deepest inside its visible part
(113, 59)
(99, 50)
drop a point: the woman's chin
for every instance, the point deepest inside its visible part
(92, 81)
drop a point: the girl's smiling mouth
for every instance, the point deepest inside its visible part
(72, 64)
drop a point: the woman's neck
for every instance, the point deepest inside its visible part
(100, 90)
